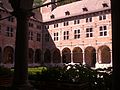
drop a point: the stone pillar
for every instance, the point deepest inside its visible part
(20, 80)
(61, 56)
(116, 43)
(96, 57)
(83, 57)
(111, 57)
(71, 57)
(22, 12)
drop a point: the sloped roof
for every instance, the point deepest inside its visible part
(76, 8)
(7, 5)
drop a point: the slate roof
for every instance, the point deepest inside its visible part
(76, 8)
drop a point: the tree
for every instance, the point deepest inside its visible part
(38, 2)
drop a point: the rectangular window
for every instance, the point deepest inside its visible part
(30, 24)
(76, 34)
(56, 36)
(38, 37)
(89, 32)
(30, 35)
(55, 25)
(11, 19)
(66, 23)
(89, 19)
(105, 5)
(9, 32)
(67, 13)
(102, 17)
(38, 26)
(103, 30)
(76, 21)
(47, 37)
(66, 35)
(46, 26)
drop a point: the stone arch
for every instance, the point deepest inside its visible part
(37, 56)
(77, 55)
(56, 56)
(90, 56)
(47, 56)
(31, 55)
(104, 55)
(66, 55)
(8, 55)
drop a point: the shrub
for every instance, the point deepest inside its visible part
(5, 71)
(99, 79)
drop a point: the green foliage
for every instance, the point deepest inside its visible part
(38, 2)
(35, 72)
(5, 71)
(99, 79)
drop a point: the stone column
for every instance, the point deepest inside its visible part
(116, 43)
(71, 57)
(111, 57)
(61, 57)
(83, 57)
(20, 80)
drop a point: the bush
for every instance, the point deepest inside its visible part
(5, 71)
(99, 79)
(34, 72)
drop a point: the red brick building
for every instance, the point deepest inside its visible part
(78, 32)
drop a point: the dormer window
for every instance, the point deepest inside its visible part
(105, 5)
(52, 16)
(67, 13)
(85, 9)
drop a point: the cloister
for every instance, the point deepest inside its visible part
(89, 56)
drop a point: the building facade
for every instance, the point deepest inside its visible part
(78, 32)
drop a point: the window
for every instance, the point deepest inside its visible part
(9, 32)
(46, 26)
(38, 26)
(55, 25)
(76, 21)
(67, 13)
(52, 16)
(11, 19)
(66, 35)
(89, 19)
(105, 5)
(85, 9)
(56, 36)
(38, 37)
(30, 24)
(89, 32)
(47, 36)
(30, 35)
(66, 23)
(103, 30)
(76, 34)
(102, 17)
